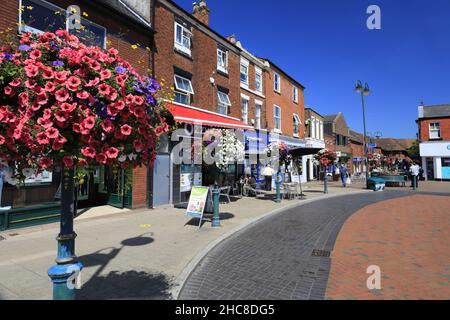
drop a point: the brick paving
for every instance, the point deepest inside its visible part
(408, 238)
(273, 259)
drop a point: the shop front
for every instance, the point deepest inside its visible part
(256, 143)
(186, 166)
(296, 168)
(436, 160)
(37, 201)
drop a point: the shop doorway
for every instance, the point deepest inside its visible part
(161, 181)
(430, 169)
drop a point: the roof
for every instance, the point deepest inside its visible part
(127, 11)
(193, 115)
(313, 111)
(436, 111)
(330, 118)
(356, 136)
(392, 144)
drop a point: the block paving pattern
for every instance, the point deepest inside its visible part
(408, 238)
(273, 258)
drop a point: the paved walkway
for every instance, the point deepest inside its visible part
(138, 254)
(407, 238)
(274, 259)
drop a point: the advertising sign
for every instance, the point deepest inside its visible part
(197, 202)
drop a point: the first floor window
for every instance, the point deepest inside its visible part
(183, 90)
(258, 116)
(277, 117)
(224, 102)
(435, 130)
(244, 107)
(182, 98)
(296, 124)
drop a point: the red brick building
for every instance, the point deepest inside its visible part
(285, 103)
(434, 138)
(125, 25)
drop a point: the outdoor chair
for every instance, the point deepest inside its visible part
(250, 189)
(225, 192)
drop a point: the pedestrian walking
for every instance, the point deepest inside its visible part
(344, 173)
(414, 170)
(268, 173)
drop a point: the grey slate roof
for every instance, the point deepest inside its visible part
(442, 110)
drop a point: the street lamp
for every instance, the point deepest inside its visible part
(364, 91)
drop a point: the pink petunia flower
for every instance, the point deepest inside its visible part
(88, 152)
(62, 95)
(125, 130)
(112, 153)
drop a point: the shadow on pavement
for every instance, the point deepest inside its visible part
(115, 285)
(127, 285)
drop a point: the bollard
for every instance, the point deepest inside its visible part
(216, 216)
(414, 182)
(278, 185)
(325, 184)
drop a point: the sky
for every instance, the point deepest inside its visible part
(326, 46)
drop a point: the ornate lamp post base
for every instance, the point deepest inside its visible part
(65, 273)
(64, 278)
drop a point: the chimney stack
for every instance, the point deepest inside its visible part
(201, 11)
(420, 109)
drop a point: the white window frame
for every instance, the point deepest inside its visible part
(223, 103)
(275, 118)
(180, 46)
(275, 82)
(295, 94)
(258, 72)
(435, 127)
(244, 63)
(54, 8)
(188, 97)
(222, 53)
(258, 106)
(190, 89)
(245, 101)
(297, 123)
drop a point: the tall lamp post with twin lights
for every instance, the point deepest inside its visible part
(364, 91)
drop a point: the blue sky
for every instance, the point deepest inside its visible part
(326, 46)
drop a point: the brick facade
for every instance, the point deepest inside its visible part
(424, 128)
(284, 99)
(202, 64)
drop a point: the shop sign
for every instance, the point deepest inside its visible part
(197, 202)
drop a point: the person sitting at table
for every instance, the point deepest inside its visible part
(249, 184)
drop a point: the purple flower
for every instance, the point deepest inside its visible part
(58, 63)
(24, 47)
(121, 70)
(9, 56)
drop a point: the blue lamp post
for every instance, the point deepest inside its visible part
(278, 180)
(325, 181)
(66, 266)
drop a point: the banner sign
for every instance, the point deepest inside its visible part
(197, 202)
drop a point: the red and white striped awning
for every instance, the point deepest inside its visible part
(193, 115)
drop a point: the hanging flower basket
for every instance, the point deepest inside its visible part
(63, 103)
(325, 157)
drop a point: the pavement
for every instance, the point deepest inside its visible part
(161, 254)
(138, 254)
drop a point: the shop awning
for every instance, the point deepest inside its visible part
(192, 115)
(299, 152)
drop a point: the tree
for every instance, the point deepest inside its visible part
(414, 151)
